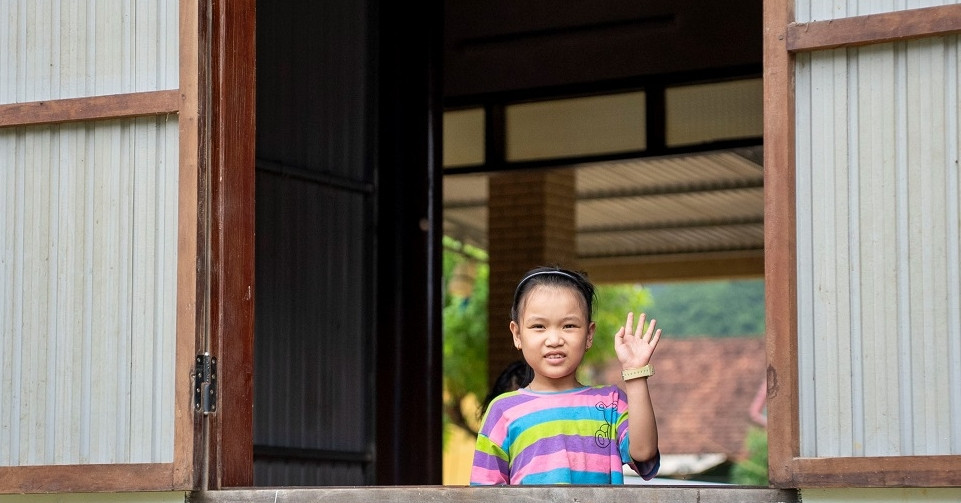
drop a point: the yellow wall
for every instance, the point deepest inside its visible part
(855, 495)
(459, 446)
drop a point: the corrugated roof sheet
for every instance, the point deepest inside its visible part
(697, 203)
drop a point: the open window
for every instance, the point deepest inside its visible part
(862, 246)
(113, 258)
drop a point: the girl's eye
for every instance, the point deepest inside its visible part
(570, 325)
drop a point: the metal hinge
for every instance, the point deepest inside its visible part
(205, 384)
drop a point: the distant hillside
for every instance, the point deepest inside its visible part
(713, 308)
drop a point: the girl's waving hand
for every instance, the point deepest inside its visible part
(634, 347)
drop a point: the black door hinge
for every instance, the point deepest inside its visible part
(205, 384)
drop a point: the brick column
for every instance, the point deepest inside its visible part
(530, 223)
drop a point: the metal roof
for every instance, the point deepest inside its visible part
(645, 210)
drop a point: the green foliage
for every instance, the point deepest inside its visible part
(613, 303)
(465, 323)
(753, 470)
(714, 308)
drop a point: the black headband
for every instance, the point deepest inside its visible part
(538, 273)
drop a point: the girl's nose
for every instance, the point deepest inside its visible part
(554, 338)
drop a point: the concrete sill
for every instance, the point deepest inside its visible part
(528, 494)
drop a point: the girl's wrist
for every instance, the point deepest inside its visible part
(642, 372)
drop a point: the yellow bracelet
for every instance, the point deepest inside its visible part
(645, 371)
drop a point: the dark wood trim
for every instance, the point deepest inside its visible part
(112, 106)
(409, 336)
(232, 103)
(874, 28)
(596, 87)
(887, 471)
(191, 285)
(780, 244)
(693, 266)
(492, 166)
(90, 478)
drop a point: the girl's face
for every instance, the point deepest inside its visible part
(553, 332)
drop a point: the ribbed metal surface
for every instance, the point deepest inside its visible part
(312, 342)
(52, 49)
(88, 257)
(879, 286)
(823, 10)
(643, 207)
(317, 106)
(313, 409)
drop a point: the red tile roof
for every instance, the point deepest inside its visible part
(702, 393)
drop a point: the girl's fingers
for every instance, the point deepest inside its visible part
(640, 325)
(656, 337)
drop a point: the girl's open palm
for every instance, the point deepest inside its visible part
(634, 347)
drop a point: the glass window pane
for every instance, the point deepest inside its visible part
(712, 112)
(576, 127)
(464, 137)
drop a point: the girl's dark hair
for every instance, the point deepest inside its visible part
(517, 375)
(553, 276)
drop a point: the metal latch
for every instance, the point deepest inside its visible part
(205, 384)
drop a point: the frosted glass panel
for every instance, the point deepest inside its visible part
(712, 112)
(88, 257)
(464, 137)
(574, 127)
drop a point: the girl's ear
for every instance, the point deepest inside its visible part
(516, 333)
(590, 334)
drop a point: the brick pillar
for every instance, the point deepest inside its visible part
(530, 223)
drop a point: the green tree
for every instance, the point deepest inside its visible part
(465, 328)
(611, 308)
(753, 470)
(711, 308)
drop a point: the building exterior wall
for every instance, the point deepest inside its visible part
(878, 281)
(879, 286)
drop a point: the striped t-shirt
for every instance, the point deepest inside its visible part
(568, 437)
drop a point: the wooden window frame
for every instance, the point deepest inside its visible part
(783, 38)
(182, 473)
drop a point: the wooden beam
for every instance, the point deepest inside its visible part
(780, 243)
(112, 106)
(874, 28)
(669, 268)
(232, 216)
(883, 471)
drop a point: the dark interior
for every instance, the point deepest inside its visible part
(349, 205)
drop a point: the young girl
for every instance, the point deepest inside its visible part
(556, 431)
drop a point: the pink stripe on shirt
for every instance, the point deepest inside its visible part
(583, 463)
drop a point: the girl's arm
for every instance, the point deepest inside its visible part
(634, 348)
